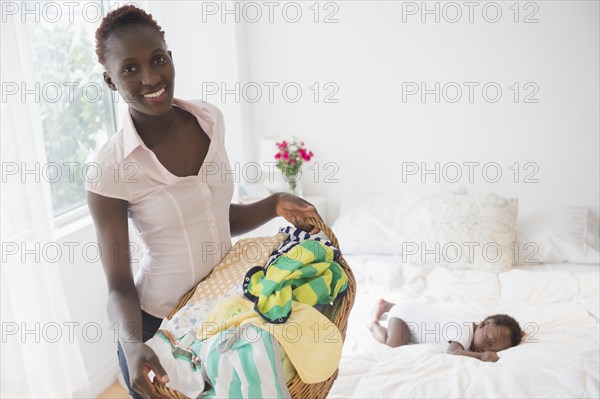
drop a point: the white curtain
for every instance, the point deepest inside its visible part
(40, 358)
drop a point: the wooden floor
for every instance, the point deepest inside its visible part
(116, 391)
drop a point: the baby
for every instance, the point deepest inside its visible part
(408, 322)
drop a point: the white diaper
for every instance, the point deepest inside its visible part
(429, 326)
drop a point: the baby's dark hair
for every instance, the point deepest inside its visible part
(123, 16)
(503, 320)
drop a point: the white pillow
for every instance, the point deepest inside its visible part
(463, 232)
(560, 234)
(375, 224)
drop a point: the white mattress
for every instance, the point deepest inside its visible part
(558, 303)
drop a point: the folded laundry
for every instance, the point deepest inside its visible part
(176, 345)
(243, 362)
(191, 316)
(312, 342)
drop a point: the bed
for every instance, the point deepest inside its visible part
(552, 291)
(557, 304)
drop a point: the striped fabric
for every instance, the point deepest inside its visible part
(312, 342)
(295, 236)
(243, 363)
(307, 273)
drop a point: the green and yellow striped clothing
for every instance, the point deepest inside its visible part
(307, 273)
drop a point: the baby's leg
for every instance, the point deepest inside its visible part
(397, 333)
(381, 307)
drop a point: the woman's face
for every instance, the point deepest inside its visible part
(138, 64)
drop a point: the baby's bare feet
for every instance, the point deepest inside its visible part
(380, 308)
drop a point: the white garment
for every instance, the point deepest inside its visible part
(244, 362)
(180, 362)
(179, 356)
(191, 316)
(428, 326)
(183, 221)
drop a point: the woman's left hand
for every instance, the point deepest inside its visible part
(295, 209)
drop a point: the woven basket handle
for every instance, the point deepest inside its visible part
(326, 229)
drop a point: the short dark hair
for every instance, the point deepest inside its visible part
(123, 16)
(503, 320)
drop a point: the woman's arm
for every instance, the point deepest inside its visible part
(110, 220)
(245, 218)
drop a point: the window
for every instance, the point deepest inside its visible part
(75, 104)
(56, 101)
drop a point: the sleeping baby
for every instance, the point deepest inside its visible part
(414, 323)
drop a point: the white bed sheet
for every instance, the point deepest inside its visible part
(558, 304)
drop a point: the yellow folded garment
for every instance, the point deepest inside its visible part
(312, 342)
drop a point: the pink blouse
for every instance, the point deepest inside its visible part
(182, 221)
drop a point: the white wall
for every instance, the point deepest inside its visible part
(371, 131)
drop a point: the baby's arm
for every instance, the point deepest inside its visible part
(457, 349)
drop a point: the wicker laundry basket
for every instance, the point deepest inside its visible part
(338, 314)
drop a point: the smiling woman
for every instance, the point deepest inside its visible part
(155, 171)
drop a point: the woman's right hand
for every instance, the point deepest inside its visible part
(140, 360)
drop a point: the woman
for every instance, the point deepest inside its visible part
(166, 170)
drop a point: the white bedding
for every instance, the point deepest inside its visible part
(558, 304)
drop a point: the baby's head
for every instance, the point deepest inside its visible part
(496, 333)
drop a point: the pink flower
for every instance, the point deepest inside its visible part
(303, 154)
(297, 156)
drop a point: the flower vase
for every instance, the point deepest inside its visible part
(294, 184)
